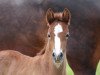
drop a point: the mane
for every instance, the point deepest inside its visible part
(58, 16)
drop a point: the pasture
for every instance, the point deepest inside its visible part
(70, 72)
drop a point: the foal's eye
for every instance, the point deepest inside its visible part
(48, 35)
(67, 35)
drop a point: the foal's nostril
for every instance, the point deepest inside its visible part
(53, 54)
(61, 55)
(57, 57)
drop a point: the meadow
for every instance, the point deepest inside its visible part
(70, 72)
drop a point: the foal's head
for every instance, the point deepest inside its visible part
(58, 33)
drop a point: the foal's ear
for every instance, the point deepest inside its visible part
(49, 16)
(66, 16)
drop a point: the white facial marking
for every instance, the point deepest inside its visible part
(58, 29)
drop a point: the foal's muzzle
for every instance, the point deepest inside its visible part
(57, 58)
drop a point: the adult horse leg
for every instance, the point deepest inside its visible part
(81, 68)
(96, 56)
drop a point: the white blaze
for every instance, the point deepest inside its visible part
(58, 29)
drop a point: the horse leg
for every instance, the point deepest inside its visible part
(82, 68)
(87, 67)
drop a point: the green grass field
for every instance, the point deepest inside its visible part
(70, 72)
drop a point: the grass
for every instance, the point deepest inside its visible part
(70, 72)
(98, 70)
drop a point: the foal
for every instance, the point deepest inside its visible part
(52, 62)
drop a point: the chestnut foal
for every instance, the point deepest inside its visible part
(52, 62)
